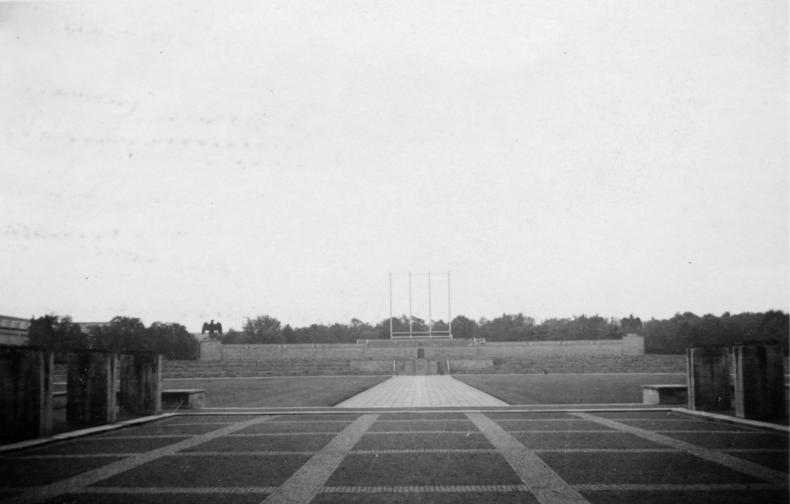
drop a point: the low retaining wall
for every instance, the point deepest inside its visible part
(629, 345)
(372, 366)
(471, 365)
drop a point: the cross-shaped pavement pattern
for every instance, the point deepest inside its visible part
(446, 454)
(502, 455)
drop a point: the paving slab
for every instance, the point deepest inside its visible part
(640, 467)
(420, 440)
(429, 468)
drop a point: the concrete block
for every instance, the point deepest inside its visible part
(211, 350)
(25, 392)
(664, 394)
(183, 398)
(708, 378)
(141, 383)
(90, 387)
(759, 381)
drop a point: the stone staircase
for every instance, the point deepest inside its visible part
(234, 369)
(649, 363)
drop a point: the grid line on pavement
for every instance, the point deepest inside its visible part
(546, 485)
(424, 450)
(604, 450)
(303, 485)
(177, 490)
(275, 434)
(718, 457)
(389, 433)
(245, 453)
(80, 481)
(587, 487)
(685, 487)
(424, 489)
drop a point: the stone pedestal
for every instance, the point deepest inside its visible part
(759, 381)
(141, 383)
(708, 378)
(90, 388)
(210, 350)
(25, 392)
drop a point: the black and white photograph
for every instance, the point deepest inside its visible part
(377, 251)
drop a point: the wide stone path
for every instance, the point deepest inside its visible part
(421, 391)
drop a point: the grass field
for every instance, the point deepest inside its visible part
(568, 388)
(278, 392)
(514, 389)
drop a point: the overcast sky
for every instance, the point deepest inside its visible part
(192, 160)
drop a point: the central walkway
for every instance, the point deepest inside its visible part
(421, 391)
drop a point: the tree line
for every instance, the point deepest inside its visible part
(121, 334)
(671, 335)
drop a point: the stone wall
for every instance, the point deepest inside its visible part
(457, 366)
(373, 366)
(630, 345)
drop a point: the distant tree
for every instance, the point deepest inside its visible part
(507, 327)
(58, 334)
(359, 330)
(464, 328)
(123, 334)
(232, 336)
(671, 335)
(288, 334)
(439, 325)
(263, 329)
(173, 341)
(401, 325)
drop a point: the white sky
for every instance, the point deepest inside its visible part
(193, 160)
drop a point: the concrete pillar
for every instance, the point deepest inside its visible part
(25, 392)
(141, 383)
(759, 381)
(708, 378)
(210, 350)
(90, 387)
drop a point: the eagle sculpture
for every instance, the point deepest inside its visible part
(211, 327)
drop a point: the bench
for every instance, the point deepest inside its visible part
(664, 394)
(183, 398)
(678, 394)
(171, 399)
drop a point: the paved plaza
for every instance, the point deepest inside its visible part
(410, 456)
(425, 440)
